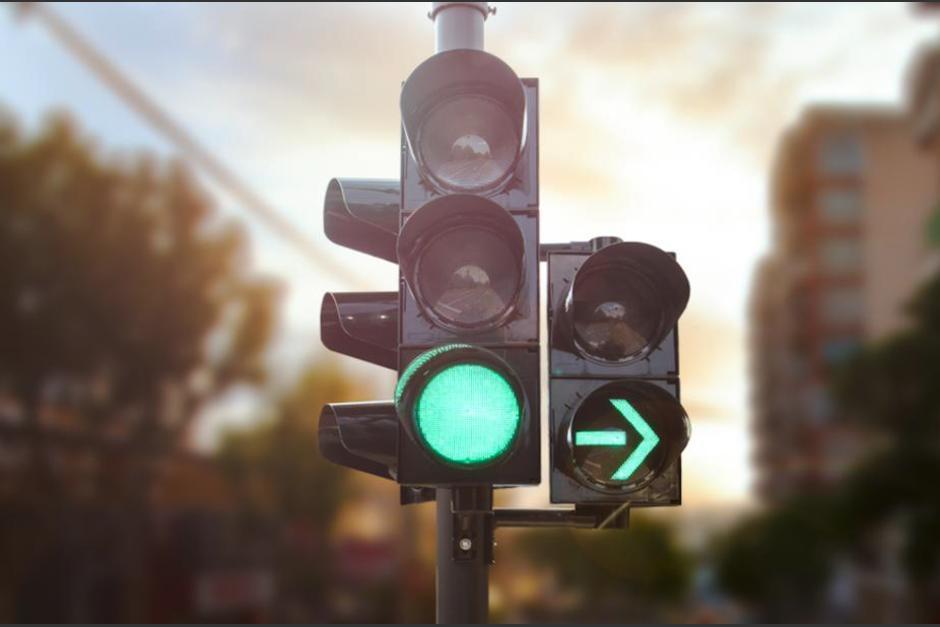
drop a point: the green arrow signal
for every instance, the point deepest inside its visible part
(648, 439)
(600, 438)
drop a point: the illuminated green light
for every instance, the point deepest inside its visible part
(419, 362)
(600, 438)
(648, 439)
(468, 414)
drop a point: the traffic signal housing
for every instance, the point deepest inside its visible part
(362, 214)
(463, 329)
(617, 426)
(468, 354)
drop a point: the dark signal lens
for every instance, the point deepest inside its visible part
(616, 315)
(463, 257)
(624, 300)
(469, 276)
(464, 115)
(468, 143)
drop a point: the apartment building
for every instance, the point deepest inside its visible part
(851, 192)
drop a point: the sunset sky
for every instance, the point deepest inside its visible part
(658, 124)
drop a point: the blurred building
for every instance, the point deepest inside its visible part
(851, 192)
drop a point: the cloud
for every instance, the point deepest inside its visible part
(712, 367)
(710, 66)
(327, 73)
(339, 65)
(738, 70)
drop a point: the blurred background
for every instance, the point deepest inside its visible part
(162, 169)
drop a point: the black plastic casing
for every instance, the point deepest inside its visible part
(516, 340)
(573, 376)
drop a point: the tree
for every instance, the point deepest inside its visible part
(620, 575)
(890, 388)
(779, 561)
(286, 489)
(125, 307)
(277, 464)
(122, 299)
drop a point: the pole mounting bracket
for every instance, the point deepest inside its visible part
(581, 517)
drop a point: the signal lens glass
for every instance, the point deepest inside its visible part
(468, 143)
(623, 435)
(469, 276)
(614, 444)
(468, 414)
(616, 314)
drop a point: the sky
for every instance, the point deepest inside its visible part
(658, 124)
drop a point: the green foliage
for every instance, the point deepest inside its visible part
(277, 464)
(286, 490)
(891, 385)
(644, 562)
(779, 560)
(933, 228)
(891, 388)
(116, 275)
(125, 307)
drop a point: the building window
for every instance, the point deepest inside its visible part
(843, 305)
(841, 256)
(836, 351)
(818, 403)
(840, 155)
(840, 206)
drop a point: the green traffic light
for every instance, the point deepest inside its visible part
(625, 434)
(468, 414)
(648, 439)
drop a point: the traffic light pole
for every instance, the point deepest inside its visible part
(465, 519)
(465, 525)
(459, 24)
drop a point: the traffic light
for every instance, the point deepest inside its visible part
(468, 391)
(617, 427)
(362, 214)
(463, 329)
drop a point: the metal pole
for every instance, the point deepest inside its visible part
(459, 24)
(465, 518)
(464, 552)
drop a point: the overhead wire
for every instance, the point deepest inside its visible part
(135, 97)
